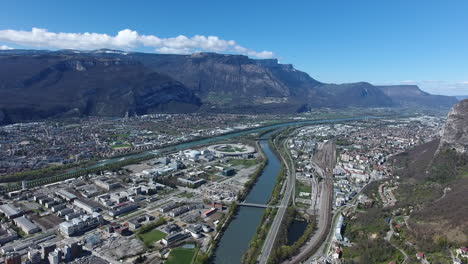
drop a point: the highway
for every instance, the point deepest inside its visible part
(273, 232)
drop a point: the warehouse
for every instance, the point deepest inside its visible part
(68, 196)
(26, 225)
(87, 207)
(9, 211)
(122, 209)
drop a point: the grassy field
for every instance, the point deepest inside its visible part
(152, 236)
(181, 256)
(186, 195)
(301, 187)
(121, 146)
(244, 162)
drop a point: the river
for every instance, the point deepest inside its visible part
(235, 240)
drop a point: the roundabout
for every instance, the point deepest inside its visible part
(232, 149)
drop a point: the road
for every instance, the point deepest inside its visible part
(273, 232)
(325, 159)
(99, 255)
(388, 238)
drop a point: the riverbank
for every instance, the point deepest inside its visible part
(234, 207)
(236, 239)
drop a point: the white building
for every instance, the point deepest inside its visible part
(81, 223)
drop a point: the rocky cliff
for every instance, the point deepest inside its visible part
(455, 132)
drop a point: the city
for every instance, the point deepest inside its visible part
(233, 132)
(183, 200)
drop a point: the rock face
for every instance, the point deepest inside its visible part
(36, 87)
(455, 132)
(41, 84)
(236, 82)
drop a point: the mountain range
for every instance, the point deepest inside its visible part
(36, 84)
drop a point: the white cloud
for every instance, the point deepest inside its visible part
(5, 47)
(125, 39)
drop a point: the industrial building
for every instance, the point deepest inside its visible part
(80, 224)
(122, 209)
(176, 237)
(68, 196)
(168, 207)
(26, 225)
(191, 182)
(7, 235)
(179, 211)
(87, 207)
(229, 172)
(107, 184)
(9, 211)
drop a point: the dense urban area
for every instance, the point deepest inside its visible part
(173, 206)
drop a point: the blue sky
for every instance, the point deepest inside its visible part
(382, 42)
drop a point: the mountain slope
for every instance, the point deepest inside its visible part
(42, 86)
(412, 96)
(360, 94)
(435, 181)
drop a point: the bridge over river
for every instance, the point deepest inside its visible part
(257, 205)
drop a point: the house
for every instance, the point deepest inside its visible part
(229, 172)
(420, 255)
(462, 252)
(209, 212)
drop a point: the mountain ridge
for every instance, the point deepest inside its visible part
(207, 82)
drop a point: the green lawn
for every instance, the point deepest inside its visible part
(186, 194)
(181, 256)
(152, 236)
(121, 146)
(301, 187)
(244, 162)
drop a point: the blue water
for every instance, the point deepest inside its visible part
(236, 238)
